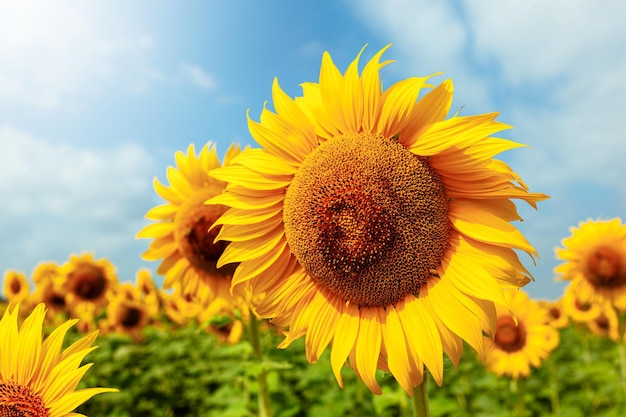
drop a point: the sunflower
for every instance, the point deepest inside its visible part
(148, 291)
(578, 309)
(16, 287)
(522, 339)
(595, 261)
(48, 280)
(370, 222)
(606, 324)
(558, 316)
(127, 313)
(182, 242)
(37, 379)
(87, 283)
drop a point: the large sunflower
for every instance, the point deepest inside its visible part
(595, 261)
(523, 337)
(371, 222)
(187, 251)
(38, 379)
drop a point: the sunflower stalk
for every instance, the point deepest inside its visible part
(520, 391)
(420, 399)
(263, 391)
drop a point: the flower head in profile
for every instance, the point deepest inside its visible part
(523, 338)
(180, 228)
(594, 260)
(371, 222)
(38, 379)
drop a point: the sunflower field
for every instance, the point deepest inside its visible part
(363, 261)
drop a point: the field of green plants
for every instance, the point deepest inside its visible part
(186, 372)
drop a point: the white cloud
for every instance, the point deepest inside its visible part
(59, 199)
(198, 76)
(51, 51)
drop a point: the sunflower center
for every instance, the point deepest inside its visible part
(88, 281)
(605, 268)
(130, 316)
(20, 401)
(510, 337)
(367, 219)
(195, 241)
(15, 286)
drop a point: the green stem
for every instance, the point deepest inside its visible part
(520, 390)
(264, 395)
(622, 366)
(420, 399)
(554, 388)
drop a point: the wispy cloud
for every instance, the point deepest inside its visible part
(59, 199)
(199, 76)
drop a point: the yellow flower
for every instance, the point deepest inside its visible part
(16, 287)
(579, 310)
(182, 242)
(595, 261)
(87, 283)
(558, 316)
(371, 222)
(522, 339)
(127, 312)
(37, 379)
(48, 289)
(606, 324)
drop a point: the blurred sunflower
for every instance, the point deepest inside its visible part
(37, 379)
(522, 339)
(558, 316)
(148, 291)
(182, 241)
(48, 280)
(595, 261)
(87, 284)
(371, 222)
(127, 313)
(578, 310)
(606, 324)
(16, 286)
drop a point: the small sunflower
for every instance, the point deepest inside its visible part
(595, 261)
(606, 324)
(37, 379)
(16, 286)
(558, 316)
(182, 242)
(87, 283)
(578, 309)
(48, 289)
(370, 222)
(522, 339)
(127, 313)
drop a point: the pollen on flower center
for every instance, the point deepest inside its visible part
(20, 401)
(195, 241)
(367, 219)
(88, 281)
(605, 268)
(510, 337)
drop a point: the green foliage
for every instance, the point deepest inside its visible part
(186, 372)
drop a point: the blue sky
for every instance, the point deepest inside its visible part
(97, 96)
